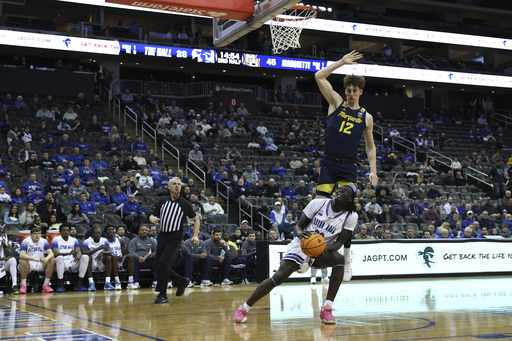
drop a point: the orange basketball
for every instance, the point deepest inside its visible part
(313, 246)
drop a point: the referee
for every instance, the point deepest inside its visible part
(170, 213)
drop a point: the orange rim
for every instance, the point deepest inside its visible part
(311, 12)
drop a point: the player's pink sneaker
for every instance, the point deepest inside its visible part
(23, 289)
(240, 315)
(326, 314)
(47, 288)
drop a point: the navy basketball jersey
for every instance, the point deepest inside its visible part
(344, 130)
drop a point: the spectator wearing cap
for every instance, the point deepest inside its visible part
(408, 157)
(139, 145)
(419, 141)
(36, 196)
(277, 214)
(54, 186)
(195, 153)
(415, 209)
(385, 146)
(470, 219)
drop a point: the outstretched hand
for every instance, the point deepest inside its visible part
(350, 58)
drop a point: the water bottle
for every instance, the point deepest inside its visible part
(282, 235)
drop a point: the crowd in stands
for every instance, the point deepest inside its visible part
(64, 162)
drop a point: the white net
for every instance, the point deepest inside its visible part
(286, 27)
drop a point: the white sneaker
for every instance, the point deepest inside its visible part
(153, 285)
(169, 284)
(347, 274)
(118, 286)
(206, 283)
(190, 284)
(305, 266)
(325, 280)
(313, 280)
(132, 286)
(137, 285)
(226, 281)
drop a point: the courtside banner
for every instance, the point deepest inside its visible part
(418, 258)
(223, 9)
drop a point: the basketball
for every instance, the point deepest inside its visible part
(313, 246)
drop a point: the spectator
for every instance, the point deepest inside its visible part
(133, 215)
(139, 145)
(363, 233)
(12, 216)
(430, 216)
(415, 209)
(409, 234)
(218, 252)
(248, 256)
(470, 219)
(145, 180)
(387, 216)
(277, 214)
(98, 164)
(76, 216)
(143, 250)
(468, 233)
(212, 208)
(433, 193)
(287, 227)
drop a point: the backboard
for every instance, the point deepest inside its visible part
(227, 31)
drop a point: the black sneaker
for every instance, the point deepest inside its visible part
(182, 286)
(162, 298)
(15, 290)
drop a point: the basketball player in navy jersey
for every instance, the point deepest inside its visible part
(335, 219)
(347, 121)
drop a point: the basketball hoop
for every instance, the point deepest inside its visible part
(286, 27)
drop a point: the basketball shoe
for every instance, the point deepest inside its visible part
(326, 314)
(240, 315)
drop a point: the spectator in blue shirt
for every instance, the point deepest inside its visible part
(88, 207)
(50, 143)
(101, 197)
(408, 157)
(139, 145)
(81, 144)
(287, 191)
(468, 233)
(62, 178)
(106, 128)
(470, 219)
(98, 164)
(155, 173)
(385, 146)
(65, 142)
(278, 169)
(119, 197)
(414, 208)
(36, 196)
(163, 182)
(60, 156)
(31, 185)
(77, 158)
(86, 172)
(133, 211)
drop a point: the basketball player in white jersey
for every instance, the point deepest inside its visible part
(98, 249)
(121, 259)
(32, 258)
(335, 219)
(8, 262)
(68, 257)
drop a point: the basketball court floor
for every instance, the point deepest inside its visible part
(463, 308)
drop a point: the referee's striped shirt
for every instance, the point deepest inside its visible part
(172, 213)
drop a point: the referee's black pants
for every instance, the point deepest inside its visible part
(167, 244)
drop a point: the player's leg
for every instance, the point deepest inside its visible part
(313, 275)
(326, 180)
(92, 287)
(10, 266)
(107, 261)
(337, 262)
(59, 265)
(285, 270)
(48, 268)
(115, 271)
(24, 269)
(129, 265)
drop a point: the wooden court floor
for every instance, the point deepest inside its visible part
(464, 308)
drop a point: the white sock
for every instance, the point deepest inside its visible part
(327, 302)
(84, 264)
(12, 271)
(23, 281)
(324, 273)
(91, 280)
(107, 279)
(130, 278)
(247, 307)
(117, 280)
(313, 272)
(346, 252)
(46, 281)
(59, 264)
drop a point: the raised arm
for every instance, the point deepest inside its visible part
(370, 149)
(333, 98)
